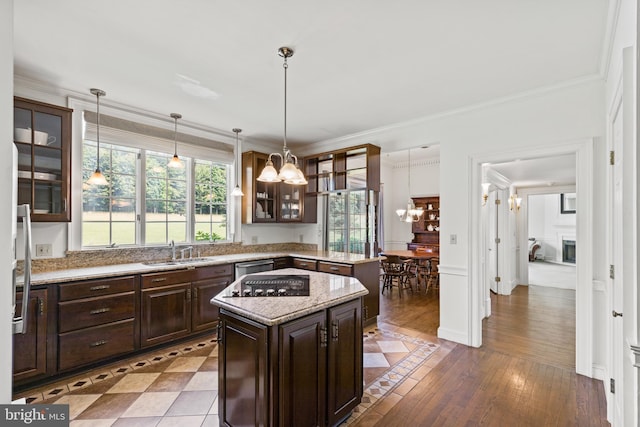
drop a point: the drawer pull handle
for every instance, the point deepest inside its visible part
(159, 279)
(100, 310)
(98, 343)
(99, 288)
(334, 269)
(304, 264)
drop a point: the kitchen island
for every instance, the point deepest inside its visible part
(290, 360)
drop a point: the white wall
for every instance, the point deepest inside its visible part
(549, 226)
(6, 215)
(425, 181)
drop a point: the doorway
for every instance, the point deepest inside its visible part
(582, 150)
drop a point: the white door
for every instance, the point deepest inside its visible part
(492, 236)
(616, 276)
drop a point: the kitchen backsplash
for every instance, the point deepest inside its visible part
(112, 256)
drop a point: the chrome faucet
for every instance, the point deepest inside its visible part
(172, 245)
(183, 250)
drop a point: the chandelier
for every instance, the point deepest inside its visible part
(411, 213)
(290, 172)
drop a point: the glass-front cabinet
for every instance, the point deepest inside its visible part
(42, 135)
(354, 168)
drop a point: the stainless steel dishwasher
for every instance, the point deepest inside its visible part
(243, 268)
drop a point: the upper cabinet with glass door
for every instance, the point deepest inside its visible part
(42, 134)
(354, 168)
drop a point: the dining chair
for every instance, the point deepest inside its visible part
(433, 277)
(394, 274)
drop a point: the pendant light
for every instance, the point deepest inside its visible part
(175, 162)
(97, 178)
(411, 213)
(290, 172)
(237, 192)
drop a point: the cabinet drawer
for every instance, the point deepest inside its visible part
(334, 268)
(305, 264)
(96, 288)
(96, 343)
(166, 278)
(213, 271)
(279, 263)
(95, 311)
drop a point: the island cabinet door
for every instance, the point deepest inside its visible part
(344, 390)
(242, 372)
(303, 369)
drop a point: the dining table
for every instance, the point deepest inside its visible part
(407, 254)
(418, 256)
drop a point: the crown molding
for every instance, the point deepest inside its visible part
(372, 136)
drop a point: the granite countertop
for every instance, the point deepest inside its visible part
(326, 290)
(141, 268)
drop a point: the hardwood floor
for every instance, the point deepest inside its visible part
(524, 374)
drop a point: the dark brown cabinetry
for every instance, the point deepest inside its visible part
(207, 283)
(96, 320)
(368, 273)
(354, 168)
(175, 304)
(314, 366)
(426, 232)
(30, 349)
(267, 202)
(42, 134)
(165, 311)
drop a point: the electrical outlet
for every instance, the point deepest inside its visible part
(43, 250)
(301, 238)
(254, 240)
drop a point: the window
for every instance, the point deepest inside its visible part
(184, 205)
(210, 200)
(165, 200)
(109, 212)
(346, 215)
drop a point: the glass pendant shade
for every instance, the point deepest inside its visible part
(288, 172)
(97, 178)
(175, 162)
(237, 192)
(269, 173)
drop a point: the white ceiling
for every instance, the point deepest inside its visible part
(550, 171)
(358, 64)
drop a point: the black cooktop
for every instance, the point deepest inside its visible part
(273, 285)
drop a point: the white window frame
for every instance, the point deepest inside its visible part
(74, 235)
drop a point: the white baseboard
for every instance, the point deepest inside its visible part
(451, 335)
(599, 373)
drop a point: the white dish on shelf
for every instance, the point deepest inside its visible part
(43, 138)
(22, 134)
(24, 174)
(41, 211)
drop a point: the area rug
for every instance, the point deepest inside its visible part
(404, 355)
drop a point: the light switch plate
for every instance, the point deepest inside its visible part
(43, 250)
(453, 239)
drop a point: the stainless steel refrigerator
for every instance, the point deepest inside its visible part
(22, 282)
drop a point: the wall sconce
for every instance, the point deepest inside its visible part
(485, 192)
(515, 202)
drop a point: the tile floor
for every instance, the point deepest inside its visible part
(178, 386)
